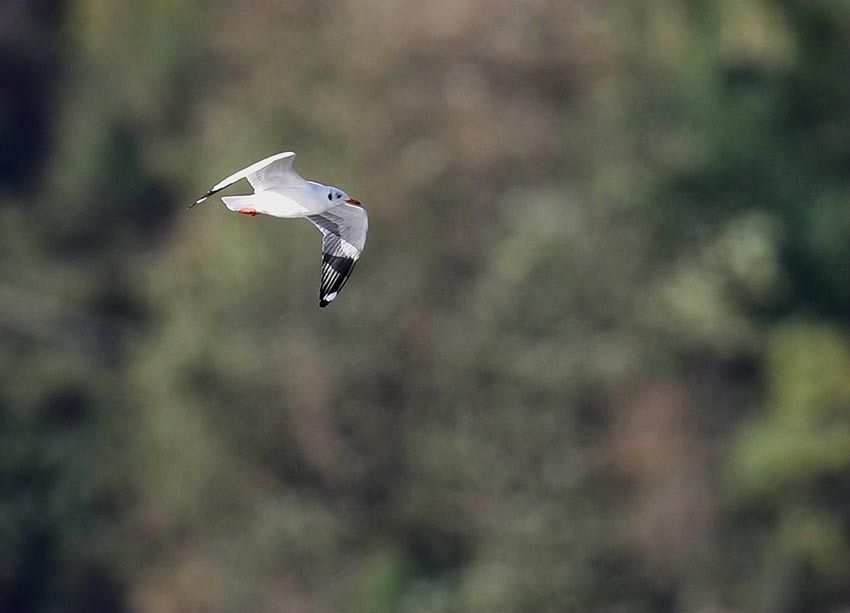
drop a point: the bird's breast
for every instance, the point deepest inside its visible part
(289, 203)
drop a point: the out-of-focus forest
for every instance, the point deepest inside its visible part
(595, 356)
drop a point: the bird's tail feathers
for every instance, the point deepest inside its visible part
(234, 203)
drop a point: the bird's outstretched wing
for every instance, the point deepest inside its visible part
(343, 230)
(273, 172)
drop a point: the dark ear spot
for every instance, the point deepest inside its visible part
(330, 196)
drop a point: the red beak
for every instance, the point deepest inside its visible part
(353, 201)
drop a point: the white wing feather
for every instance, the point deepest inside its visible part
(272, 172)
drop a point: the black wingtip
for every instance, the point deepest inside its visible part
(323, 303)
(200, 200)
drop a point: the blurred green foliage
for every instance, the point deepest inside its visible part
(595, 357)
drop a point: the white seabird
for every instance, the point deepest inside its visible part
(281, 192)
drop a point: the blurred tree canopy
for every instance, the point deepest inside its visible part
(595, 357)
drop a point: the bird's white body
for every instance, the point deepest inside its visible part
(281, 192)
(287, 202)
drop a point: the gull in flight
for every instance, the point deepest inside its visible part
(282, 192)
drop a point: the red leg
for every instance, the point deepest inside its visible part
(247, 211)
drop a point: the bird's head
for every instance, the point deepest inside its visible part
(337, 196)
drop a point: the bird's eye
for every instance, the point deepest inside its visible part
(338, 196)
(330, 196)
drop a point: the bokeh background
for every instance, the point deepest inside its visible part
(595, 356)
